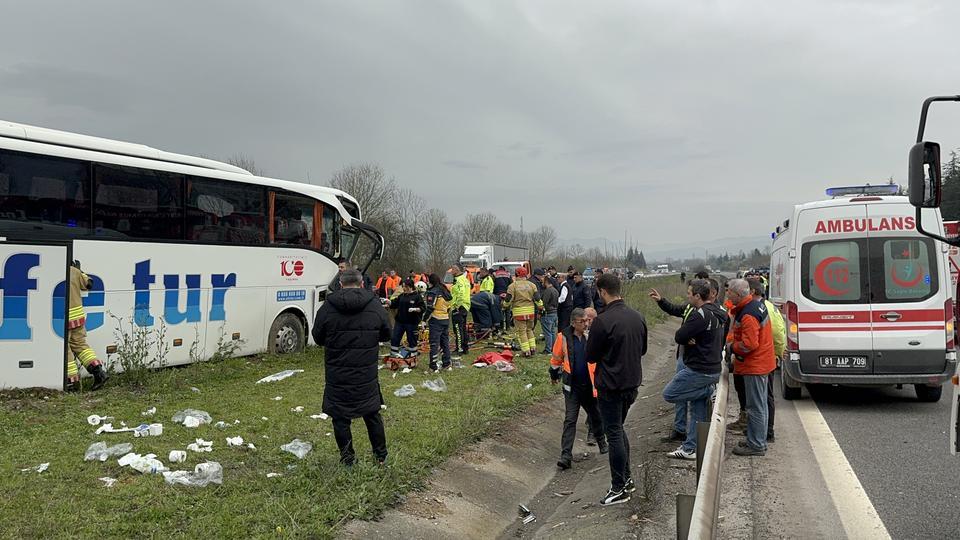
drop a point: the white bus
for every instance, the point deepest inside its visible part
(187, 254)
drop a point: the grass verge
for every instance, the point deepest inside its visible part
(313, 497)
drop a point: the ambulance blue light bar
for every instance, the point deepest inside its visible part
(883, 189)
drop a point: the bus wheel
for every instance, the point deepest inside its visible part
(928, 394)
(286, 334)
(789, 392)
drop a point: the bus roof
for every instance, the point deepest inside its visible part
(33, 139)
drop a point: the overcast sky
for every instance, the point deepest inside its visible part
(676, 121)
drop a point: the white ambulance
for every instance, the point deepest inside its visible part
(867, 299)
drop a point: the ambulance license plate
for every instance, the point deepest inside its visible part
(843, 362)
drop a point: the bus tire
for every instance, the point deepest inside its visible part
(287, 334)
(927, 393)
(788, 392)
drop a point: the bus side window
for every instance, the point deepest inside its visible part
(224, 211)
(45, 190)
(328, 231)
(138, 203)
(293, 220)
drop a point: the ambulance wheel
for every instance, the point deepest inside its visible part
(287, 334)
(928, 394)
(788, 392)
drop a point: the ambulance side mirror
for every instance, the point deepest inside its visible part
(924, 175)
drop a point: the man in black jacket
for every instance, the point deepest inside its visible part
(617, 343)
(350, 325)
(700, 340)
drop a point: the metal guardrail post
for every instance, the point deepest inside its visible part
(703, 431)
(684, 513)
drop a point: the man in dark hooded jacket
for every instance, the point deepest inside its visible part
(350, 325)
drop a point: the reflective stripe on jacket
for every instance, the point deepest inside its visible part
(560, 362)
(523, 299)
(79, 282)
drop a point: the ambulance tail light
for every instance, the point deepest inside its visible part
(949, 321)
(793, 329)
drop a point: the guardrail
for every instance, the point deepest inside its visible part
(697, 514)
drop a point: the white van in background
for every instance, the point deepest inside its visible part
(867, 299)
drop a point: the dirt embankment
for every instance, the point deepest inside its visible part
(476, 494)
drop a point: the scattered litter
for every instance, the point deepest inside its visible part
(235, 422)
(562, 493)
(94, 420)
(39, 468)
(379, 367)
(148, 464)
(203, 474)
(328, 434)
(264, 418)
(321, 416)
(177, 456)
(457, 364)
(201, 446)
(107, 481)
(194, 389)
(559, 524)
(149, 412)
(504, 366)
(291, 467)
(406, 370)
(280, 376)
(234, 441)
(529, 386)
(123, 424)
(298, 408)
(405, 390)
(278, 398)
(191, 418)
(526, 514)
(251, 446)
(273, 475)
(99, 451)
(297, 448)
(436, 386)
(108, 428)
(148, 430)
(383, 406)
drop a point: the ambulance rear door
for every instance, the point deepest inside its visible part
(910, 291)
(833, 304)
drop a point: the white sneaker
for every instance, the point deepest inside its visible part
(680, 453)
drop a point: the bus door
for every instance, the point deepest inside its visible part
(32, 321)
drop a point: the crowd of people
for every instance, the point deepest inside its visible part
(596, 344)
(748, 332)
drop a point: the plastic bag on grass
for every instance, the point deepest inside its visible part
(437, 386)
(405, 390)
(209, 472)
(280, 376)
(297, 447)
(99, 451)
(191, 417)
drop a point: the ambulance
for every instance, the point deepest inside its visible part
(867, 298)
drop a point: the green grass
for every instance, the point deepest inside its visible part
(311, 499)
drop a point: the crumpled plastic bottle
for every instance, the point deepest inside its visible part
(298, 448)
(99, 451)
(437, 386)
(405, 390)
(208, 472)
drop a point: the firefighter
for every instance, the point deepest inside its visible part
(77, 332)
(524, 300)
(459, 308)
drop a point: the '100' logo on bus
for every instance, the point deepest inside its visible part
(16, 284)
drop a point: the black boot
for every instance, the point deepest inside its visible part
(99, 376)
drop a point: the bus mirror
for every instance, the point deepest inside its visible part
(924, 175)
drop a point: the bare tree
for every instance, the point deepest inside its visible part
(247, 163)
(375, 193)
(439, 241)
(541, 242)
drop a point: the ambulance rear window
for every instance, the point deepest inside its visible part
(834, 271)
(903, 269)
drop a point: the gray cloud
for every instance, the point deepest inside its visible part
(620, 109)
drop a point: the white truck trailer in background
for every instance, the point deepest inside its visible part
(488, 254)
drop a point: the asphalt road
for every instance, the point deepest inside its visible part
(898, 448)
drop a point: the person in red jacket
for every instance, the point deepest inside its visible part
(750, 349)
